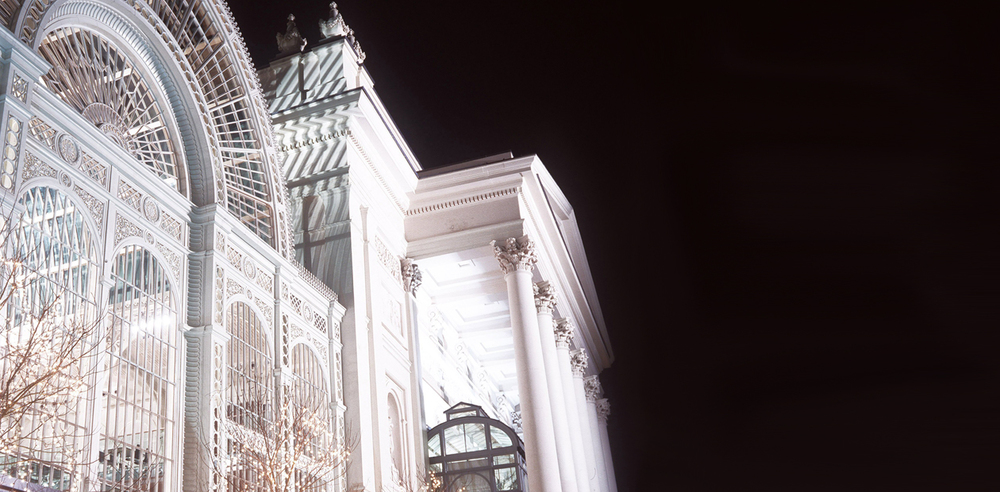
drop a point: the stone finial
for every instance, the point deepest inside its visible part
(412, 278)
(515, 254)
(545, 296)
(578, 359)
(291, 41)
(603, 409)
(334, 26)
(563, 332)
(592, 387)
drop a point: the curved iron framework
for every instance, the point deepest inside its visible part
(471, 452)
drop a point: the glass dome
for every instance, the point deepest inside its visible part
(471, 452)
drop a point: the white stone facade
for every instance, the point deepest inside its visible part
(296, 238)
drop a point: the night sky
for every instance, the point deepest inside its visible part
(790, 214)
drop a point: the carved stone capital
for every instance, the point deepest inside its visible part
(563, 332)
(578, 359)
(515, 254)
(592, 387)
(545, 297)
(603, 409)
(412, 278)
(515, 420)
(292, 41)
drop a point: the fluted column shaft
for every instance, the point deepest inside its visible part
(545, 301)
(592, 386)
(563, 336)
(603, 411)
(578, 359)
(517, 259)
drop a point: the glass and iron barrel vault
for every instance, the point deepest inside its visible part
(146, 274)
(470, 452)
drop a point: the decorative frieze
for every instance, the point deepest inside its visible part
(124, 228)
(68, 149)
(545, 297)
(130, 195)
(35, 168)
(41, 131)
(172, 226)
(387, 259)
(563, 332)
(265, 308)
(461, 201)
(412, 278)
(592, 387)
(578, 360)
(94, 205)
(19, 88)
(172, 258)
(233, 288)
(319, 322)
(515, 254)
(235, 257)
(97, 171)
(220, 300)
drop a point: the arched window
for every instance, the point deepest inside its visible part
(142, 348)
(472, 452)
(49, 276)
(97, 79)
(249, 394)
(311, 426)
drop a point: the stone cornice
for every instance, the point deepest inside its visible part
(462, 201)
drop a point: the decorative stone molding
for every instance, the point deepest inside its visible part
(515, 420)
(578, 360)
(42, 132)
(12, 144)
(220, 300)
(172, 226)
(97, 171)
(515, 254)
(389, 260)
(603, 409)
(68, 149)
(545, 296)
(592, 386)
(291, 41)
(412, 278)
(564, 332)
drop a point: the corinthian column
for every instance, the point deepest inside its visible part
(545, 302)
(563, 336)
(578, 362)
(603, 411)
(592, 386)
(517, 259)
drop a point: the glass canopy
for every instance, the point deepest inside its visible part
(471, 452)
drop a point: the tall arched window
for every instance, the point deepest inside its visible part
(49, 276)
(310, 416)
(471, 452)
(142, 349)
(249, 394)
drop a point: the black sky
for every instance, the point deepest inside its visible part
(790, 215)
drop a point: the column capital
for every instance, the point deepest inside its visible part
(563, 332)
(515, 254)
(412, 278)
(578, 359)
(545, 297)
(592, 386)
(603, 409)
